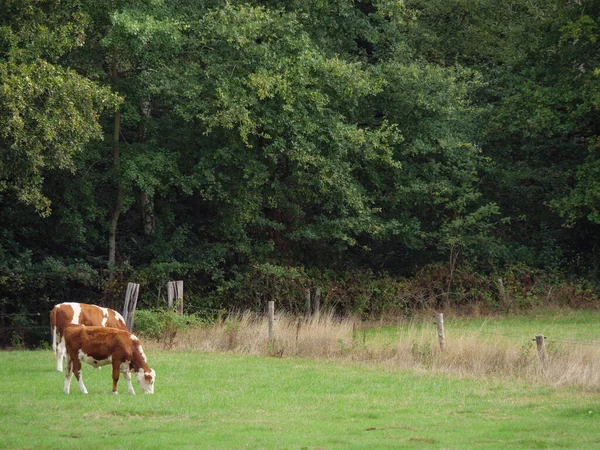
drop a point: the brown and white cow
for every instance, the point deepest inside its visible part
(65, 314)
(100, 346)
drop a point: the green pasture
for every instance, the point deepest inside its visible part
(229, 401)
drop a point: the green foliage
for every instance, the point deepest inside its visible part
(147, 324)
(268, 147)
(583, 202)
(163, 325)
(47, 112)
(29, 289)
(285, 285)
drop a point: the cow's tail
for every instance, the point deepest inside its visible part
(53, 331)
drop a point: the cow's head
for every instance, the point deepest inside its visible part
(146, 380)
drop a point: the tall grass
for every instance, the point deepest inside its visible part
(321, 336)
(411, 345)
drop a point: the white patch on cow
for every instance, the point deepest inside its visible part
(104, 315)
(138, 345)
(119, 317)
(76, 312)
(127, 374)
(81, 385)
(143, 354)
(55, 349)
(61, 353)
(146, 385)
(53, 334)
(97, 363)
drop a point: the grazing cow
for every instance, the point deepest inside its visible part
(65, 314)
(100, 346)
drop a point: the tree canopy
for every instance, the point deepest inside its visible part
(151, 140)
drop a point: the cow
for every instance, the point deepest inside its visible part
(100, 346)
(65, 314)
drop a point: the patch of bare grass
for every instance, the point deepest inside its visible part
(413, 347)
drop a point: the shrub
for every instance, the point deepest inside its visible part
(148, 324)
(162, 325)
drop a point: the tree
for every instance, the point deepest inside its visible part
(125, 43)
(47, 112)
(536, 61)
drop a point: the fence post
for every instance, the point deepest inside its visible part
(317, 301)
(502, 292)
(131, 296)
(541, 349)
(439, 321)
(271, 309)
(170, 294)
(307, 301)
(298, 326)
(175, 294)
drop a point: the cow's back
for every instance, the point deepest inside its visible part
(113, 319)
(98, 342)
(65, 314)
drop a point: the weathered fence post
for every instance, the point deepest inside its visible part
(298, 326)
(271, 309)
(502, 292)
(171, 288)
(307, 300)
(439, 321)
(131, 296)
(541, 349)
(317, 301)
(175, 295)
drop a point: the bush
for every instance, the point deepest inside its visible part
(162, 325)
(147, 324)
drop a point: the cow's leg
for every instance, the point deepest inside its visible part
(127, 375)
(61, 353)
(77, 370)
(116, 371)
(68, 375)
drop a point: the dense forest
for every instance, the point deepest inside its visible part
(394, 154)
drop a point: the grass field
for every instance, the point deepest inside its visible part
(227, 400)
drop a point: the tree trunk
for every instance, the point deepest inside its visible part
(116, 212)
(148, 220)
(146, 201)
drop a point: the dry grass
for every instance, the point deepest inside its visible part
(416, 348)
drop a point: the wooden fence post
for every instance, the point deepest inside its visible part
(439, 321)
(131, 296)
(541, 349)
(307, 300)
(175, 295)
(502, 291)
(317, 301)
(271, 308)
(170, 294)
(298, 326)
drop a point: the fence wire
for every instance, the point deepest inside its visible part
(548, 339)
(199, 309)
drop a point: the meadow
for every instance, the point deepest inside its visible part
(362, 392)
